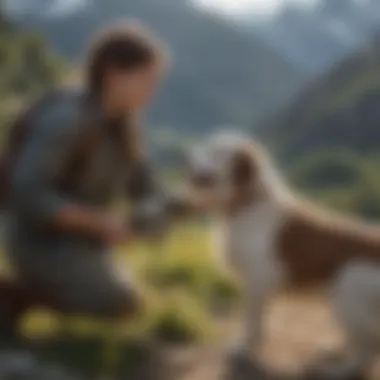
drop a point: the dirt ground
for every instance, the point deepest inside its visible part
(297, 330)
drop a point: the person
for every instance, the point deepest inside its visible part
(83, 151)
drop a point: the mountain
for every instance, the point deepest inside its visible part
(220, 74)
(340, 109)
(315, 38)
(328, 140)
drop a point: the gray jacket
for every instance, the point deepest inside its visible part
(39, 190)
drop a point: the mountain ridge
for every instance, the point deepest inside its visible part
(339, 110)
(315, 38)
(220, 74)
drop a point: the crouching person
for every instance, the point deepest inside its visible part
(80, 150)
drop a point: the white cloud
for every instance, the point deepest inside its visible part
(240, 7)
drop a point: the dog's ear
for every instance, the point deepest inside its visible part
(244, 167)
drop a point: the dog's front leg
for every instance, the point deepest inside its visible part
(244, 354)
(253, 322)
(250, 341)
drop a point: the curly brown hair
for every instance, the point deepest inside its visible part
(124, 46)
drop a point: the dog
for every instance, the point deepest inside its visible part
(276, 241)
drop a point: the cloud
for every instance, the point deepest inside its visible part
(241, 7)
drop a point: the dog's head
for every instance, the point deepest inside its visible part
(227, 167)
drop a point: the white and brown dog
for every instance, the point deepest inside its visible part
(277, 242)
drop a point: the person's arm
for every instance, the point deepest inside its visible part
(142, 182)
(153, 205)
(44, 156)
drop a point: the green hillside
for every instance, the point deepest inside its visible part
(340, 110)
(329, 139)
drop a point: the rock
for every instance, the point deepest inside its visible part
(16, 365)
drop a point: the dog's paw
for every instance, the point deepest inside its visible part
(242, 365)
(239, 348)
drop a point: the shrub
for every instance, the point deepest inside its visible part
(327, 169)
(182, 319)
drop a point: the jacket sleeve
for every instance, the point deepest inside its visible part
(53, 137)
(142, 182)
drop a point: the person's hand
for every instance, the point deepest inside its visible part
(195, 201)
(111, 230)
(116, 231)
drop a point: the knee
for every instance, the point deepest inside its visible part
(131, 304)
(126, 304)
(110, 301)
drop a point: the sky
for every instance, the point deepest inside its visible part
(226, 7)
(241, 7)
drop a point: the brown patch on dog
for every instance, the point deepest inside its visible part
(244, 167)
(244, 175)
(315, 244)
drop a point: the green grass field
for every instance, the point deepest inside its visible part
(184, 292)
(182, 286)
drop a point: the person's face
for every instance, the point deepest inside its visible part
(132, 90)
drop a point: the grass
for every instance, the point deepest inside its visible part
(183, 290)
(181, 284)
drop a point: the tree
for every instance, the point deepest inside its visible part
(27, 67)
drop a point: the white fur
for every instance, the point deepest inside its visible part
(250, 248)
(248, 243)
(356, 302)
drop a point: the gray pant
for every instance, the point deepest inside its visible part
(79, 281)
